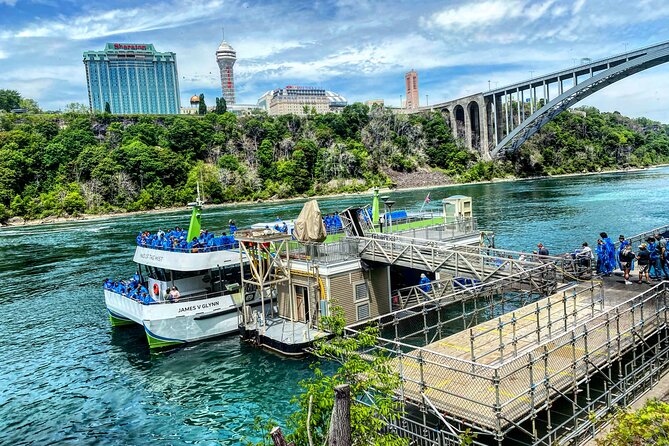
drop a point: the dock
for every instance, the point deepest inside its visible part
(536, 373)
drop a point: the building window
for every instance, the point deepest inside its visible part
(362, 311)
(361, 292)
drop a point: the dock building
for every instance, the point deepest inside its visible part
(132, 79)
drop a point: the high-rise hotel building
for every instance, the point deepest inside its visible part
(132, 79)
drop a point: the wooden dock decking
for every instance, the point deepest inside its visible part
(494, 374)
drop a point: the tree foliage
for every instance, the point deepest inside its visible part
(9, 99)
(221, 106)
(371, 378)
(647, 426)
(138, 162)
(202, 107)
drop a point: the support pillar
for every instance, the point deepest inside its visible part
(484, 126)
(518, 104)
(468, 127)
(507, 111)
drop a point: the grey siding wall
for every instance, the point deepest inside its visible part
(343, 288)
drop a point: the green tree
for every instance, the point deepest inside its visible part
(9, 99)
(107, 107)
(647, 426)
(371, 376)
(76, 107)
(202, 108)
(30, 105)
(266, 168)
(221, 106)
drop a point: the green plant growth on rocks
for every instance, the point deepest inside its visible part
(75, 163)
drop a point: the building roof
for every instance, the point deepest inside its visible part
(335, 99)
(195, 98)
(225, 50)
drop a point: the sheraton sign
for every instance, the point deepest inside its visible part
(125, 46)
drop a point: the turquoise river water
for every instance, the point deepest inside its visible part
(66, 376)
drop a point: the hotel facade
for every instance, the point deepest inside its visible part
(132, 79)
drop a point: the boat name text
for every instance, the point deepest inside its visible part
(200, 307)
(153, 257)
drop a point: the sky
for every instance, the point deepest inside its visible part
(358, 48)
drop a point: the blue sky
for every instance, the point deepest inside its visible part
(358, 48)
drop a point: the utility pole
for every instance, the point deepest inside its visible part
(426, 100)
(488, 84)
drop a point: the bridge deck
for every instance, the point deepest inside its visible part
(533, 354)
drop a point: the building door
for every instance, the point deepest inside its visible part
(302, 299)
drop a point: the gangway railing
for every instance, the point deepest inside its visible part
(479, 301)
(418, 254)
(637, 239)
(453, 286)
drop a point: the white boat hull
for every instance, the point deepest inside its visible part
(175, 323)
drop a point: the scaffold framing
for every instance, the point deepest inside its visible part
(544, 373)
(268, 255)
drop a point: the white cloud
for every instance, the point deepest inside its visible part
(479, 14)
(98, 23)
(8, 2)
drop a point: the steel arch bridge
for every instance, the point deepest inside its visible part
(603, 79)
(501, 120)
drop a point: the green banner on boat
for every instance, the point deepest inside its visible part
(194, 228)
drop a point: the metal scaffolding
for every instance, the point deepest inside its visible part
(543, 373)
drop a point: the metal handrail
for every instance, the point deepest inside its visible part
(187, 298)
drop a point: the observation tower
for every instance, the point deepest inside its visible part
(226, 58)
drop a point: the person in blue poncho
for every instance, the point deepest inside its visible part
(233, 227)
(608, 262)
(424, 283)
(623, 244)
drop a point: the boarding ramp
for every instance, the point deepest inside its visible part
(422, 255)
(539, 277)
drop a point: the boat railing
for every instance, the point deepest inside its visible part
(441, 229)
(199, 250)
(324, 253)
(200, 295)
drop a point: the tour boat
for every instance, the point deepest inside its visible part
(207, 276)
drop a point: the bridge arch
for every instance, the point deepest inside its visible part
(474, 124)
(565, 99)
(459, 119)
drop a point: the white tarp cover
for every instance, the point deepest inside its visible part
(309, 226)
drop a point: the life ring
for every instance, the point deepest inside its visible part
(156, 290)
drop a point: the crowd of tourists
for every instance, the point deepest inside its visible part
(177, 240)
(132, 288)
(651, 259)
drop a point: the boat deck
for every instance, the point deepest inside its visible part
(288, 337)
